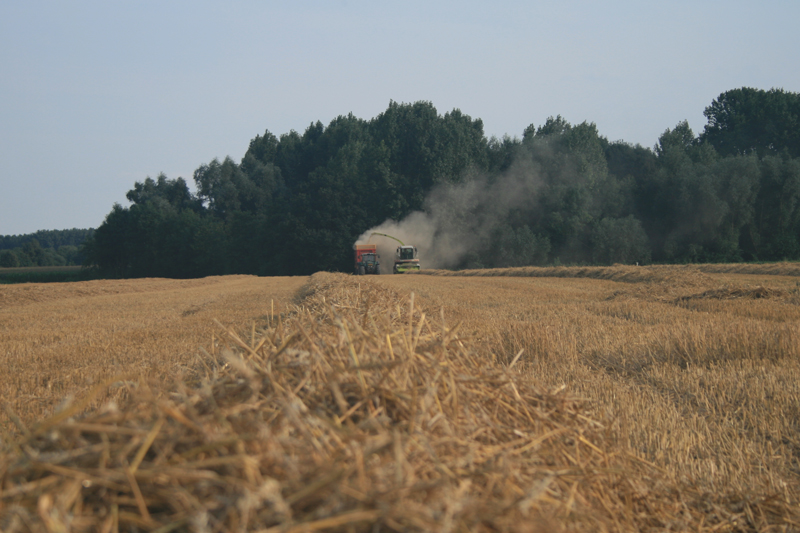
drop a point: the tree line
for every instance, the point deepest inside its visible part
(295, 204)
(44, 248)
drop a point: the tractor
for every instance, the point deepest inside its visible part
(367, 259)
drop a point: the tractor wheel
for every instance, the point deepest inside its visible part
(361, 270)
(378, 270)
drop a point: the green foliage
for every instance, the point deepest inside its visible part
(501, 153)
(559, 194)
(227, 188)
(8, 259)
(751, 121)
(43, 248)
(32, 254)
(157, 239)
(72, 254)
(675, 142)
(425, 149)
(576, 186)
(776, 217)
(47, 238)
(518, 247)
(620, 240)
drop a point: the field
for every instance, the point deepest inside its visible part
(59, 340)
(586, 399)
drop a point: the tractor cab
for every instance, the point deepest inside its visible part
(406, 252)
(369, 260)
(406, 259)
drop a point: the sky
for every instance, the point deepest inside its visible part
(97, 95)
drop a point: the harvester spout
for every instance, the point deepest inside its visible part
(405, 257)
(384, 235)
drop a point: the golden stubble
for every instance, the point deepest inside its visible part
(694, 369)
(58, 340)
(661, 398)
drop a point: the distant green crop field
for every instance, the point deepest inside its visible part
(44, 274)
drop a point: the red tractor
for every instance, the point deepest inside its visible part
(367, 259)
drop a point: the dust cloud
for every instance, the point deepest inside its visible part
(459, 219)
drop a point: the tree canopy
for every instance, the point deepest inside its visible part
(43, 248)
(561, 193)
(746, 120)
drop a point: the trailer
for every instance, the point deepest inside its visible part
(367, 259)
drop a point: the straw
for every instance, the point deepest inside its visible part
(354, 413)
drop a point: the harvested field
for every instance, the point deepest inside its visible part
(774, 269)
(674, 274)
(701, 377)
(57, 340)
(477, 404)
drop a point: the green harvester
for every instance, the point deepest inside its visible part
(405, 258)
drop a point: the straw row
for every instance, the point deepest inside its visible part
(687, 275)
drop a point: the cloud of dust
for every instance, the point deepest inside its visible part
(459, 219)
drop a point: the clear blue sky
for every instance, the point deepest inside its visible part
(95, 95)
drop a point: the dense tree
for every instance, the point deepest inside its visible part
(746, 121)
(689, 209)
(52, 248)
(8, 259)
(174, 192)
(517, 247)
(226, 188)
(619, 240)
(501, 153)
(776, 216)
(561, 193)
(154, 237)
(426, 149)
(72, 254)
(31, 254)
(47, 238)
(737, 181)
(263, 148)
(576, 187)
